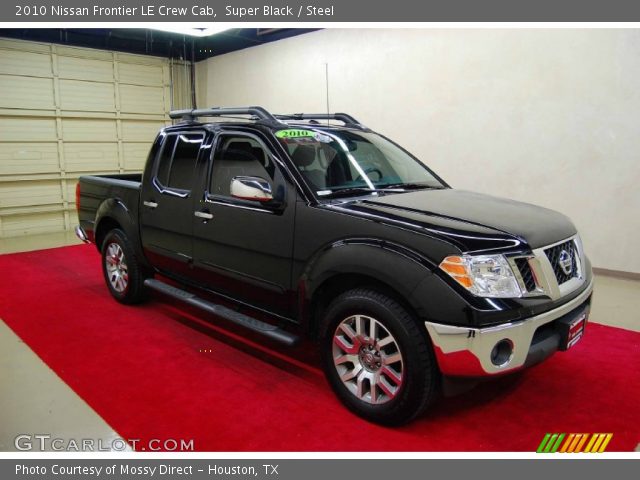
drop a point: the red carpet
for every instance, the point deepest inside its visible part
(142, 369)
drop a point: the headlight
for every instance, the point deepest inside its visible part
(483, 275)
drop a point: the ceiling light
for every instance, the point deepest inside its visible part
(193, 31)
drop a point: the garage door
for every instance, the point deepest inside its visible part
(66, 112)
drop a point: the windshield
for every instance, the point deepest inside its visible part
(347, 161)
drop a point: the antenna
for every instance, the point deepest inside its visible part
(326, 79)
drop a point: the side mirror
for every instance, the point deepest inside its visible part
(251, 188)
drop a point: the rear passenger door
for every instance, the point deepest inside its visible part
(166, 210)
(244, 248)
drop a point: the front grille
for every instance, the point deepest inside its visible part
(526, 273)
(554, 253)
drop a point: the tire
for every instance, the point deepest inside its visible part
(389, 381)
(121, 269)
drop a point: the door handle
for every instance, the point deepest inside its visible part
(149, 204)
(203, 215)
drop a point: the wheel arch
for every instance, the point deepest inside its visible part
(105, 225)
(348, 265)
(113, 213)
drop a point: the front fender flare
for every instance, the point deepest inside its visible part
(399, 268)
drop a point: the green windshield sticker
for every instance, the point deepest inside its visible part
(294, 133)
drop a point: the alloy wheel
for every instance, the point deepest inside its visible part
(368, 359)
(117, 270)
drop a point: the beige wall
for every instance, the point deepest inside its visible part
(550, 117)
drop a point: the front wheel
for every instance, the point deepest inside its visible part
(122, 272)
(376, 358)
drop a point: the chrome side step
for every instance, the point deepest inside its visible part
(270, 331)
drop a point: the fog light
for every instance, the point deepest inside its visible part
(502, 352)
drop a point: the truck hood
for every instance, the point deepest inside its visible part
(473, 221)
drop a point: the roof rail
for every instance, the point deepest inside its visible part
(190, 115)
(260, 113)
(342, 117)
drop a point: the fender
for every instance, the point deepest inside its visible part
(396, 266)
(115, 209)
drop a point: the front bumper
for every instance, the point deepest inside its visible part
(464, 351)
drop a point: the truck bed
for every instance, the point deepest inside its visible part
(124, 179)
(122, 189)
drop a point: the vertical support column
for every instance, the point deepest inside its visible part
(64, 191)
(167, 90)
(116, 82)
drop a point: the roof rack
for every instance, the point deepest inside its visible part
(342, 117)
(261, 114)
(190, 115)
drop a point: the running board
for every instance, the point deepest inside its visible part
(270, 331)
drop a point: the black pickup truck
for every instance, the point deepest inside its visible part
(313, 225)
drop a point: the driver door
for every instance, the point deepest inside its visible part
(244, 248)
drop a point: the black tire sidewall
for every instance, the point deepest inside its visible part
(134, 292)
(418, 370)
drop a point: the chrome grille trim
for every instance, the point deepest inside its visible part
(554, 253)
(520, 275)
(544, 273)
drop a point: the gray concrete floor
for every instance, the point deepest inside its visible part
(34, 400)
(37, 242)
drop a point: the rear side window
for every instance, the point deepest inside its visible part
(178, 159)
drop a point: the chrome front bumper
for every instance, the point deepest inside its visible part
(463, 351)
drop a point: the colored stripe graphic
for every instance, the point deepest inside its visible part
(606, 442)
(557, 444)
(582, 442)
(577, 439)
(567, 442)
(550, 443)
(587, 449)
(599, 440)
(574, 443)
(543, 443)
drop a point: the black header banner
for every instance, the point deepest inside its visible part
(319, 11)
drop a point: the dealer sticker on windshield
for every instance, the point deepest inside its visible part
(294, 133)
(302, 135)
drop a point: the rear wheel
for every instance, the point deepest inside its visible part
(122, 272)
(377, 359)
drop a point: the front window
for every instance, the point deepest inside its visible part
(336, 162)
(236, 156)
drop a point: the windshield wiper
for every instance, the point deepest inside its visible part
(408, 186)
(390, 188)
(339, 192)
